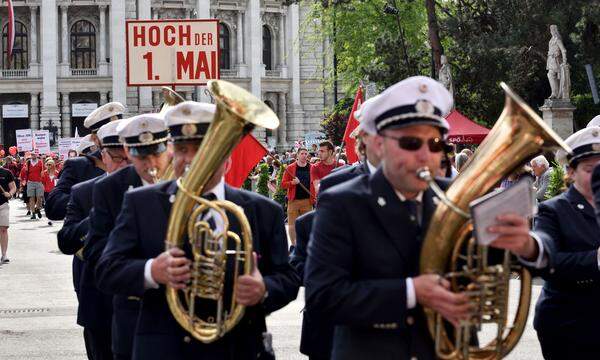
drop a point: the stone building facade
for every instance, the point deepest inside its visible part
(70, 57)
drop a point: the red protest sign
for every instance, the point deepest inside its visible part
(172, 52)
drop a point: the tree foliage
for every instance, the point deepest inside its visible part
(334, 123)
(486, 42)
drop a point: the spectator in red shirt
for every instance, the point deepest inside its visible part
(35, 189)
(49, 177)
(323, 167)
(296, 179)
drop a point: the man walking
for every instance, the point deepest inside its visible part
(296, 179)
(323, 167)
(8, 188)
(35, 188)
(542, 170)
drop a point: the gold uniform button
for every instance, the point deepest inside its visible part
(413, 358)
(187, 339)
(410, 320)
(552, 271)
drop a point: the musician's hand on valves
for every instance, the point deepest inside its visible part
(172, 268)
(513, 235)
(433, 291)
(250, 289)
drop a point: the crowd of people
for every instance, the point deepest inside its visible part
(355, 231)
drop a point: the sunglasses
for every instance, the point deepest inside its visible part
(412, 143)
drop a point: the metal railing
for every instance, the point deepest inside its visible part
(15, 73)
(84, 72)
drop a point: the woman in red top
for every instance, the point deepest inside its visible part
(49, 177)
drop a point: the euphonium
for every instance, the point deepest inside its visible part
(238, 112)
(450, 250)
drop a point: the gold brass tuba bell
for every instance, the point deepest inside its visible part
(451, 251)
(207, 308)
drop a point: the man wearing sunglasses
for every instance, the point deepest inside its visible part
(95, 307)
(362, 271)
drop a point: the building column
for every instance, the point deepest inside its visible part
(64, 64)
(241, 63)
(33, 65)
(35, 111)
(117, 33)
(49, 31)
(282, 113)
(203, 11)
(155, 13)
(145, 92)
(254, 46)
(295, 115)
(66, 115)
(282, 51)
(102, 64)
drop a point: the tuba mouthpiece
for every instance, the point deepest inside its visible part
(424, 174)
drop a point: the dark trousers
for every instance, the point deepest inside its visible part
(97, 344)
(557, 346)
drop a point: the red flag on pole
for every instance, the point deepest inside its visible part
(244, 158)
(350, 126)
(10, 39)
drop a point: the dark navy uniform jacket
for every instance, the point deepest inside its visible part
(317, 334)
(596, 190)
(107, 201)
(364, 244)
(95, 308)
(139, 235)
(344, 174)
(74, 171)
(568, 304)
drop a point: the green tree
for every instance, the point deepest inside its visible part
(280, 194)
(263, 180)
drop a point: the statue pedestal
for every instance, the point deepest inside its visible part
(558, 114)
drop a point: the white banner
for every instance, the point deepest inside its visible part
(24, 139)
(83, 109)
(172, 52)
(64, 145)
(41, 141)
(15, 111)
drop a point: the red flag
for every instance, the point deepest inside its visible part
(10, 39)
(350, 126)
(244, 158)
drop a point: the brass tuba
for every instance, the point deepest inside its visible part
(450, 250)
(238, 112)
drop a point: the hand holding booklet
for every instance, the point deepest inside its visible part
(518, 199)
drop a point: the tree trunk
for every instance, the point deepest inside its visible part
(434, 34)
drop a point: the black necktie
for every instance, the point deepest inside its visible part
(210, 220)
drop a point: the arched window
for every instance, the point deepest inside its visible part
(224, 47)
(267, 48)
(20, 59)
(83, 45)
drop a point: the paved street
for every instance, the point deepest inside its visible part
(38, 305)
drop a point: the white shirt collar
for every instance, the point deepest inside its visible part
(144, 182)
(218, 190)
(371, 167)
(418, 198)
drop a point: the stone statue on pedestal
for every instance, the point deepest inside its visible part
(557, 109)
(557, 66)
(445, 75)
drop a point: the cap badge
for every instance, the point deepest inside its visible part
(110, 109)
(596, 147)
(595, 133)
(189, 129)
(424, 107)
(186, 112)
(423, 88)
(146, 137)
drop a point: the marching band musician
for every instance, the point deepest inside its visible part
(362, 267)
(567, 312)
(95, 308)
(145, 143)
(81, 168)
(317, 333)
(134, 262)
